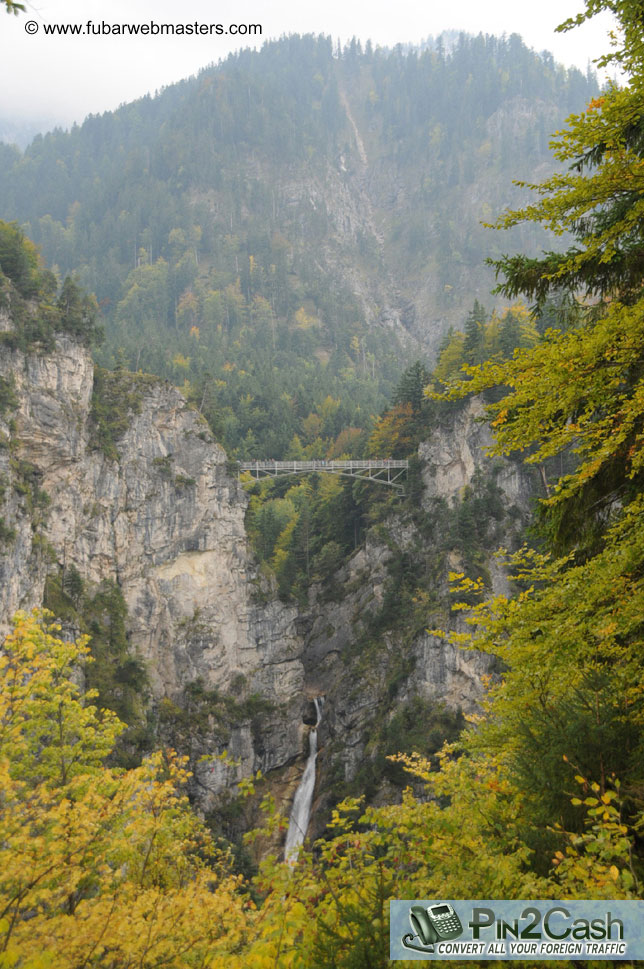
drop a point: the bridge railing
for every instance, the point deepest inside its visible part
(318, 465)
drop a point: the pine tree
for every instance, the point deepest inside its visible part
(475, 334)
(411, 386)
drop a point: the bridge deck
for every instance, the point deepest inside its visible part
(387, 472)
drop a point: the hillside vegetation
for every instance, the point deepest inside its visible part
(286, 231)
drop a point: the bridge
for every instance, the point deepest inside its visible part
(386, 472)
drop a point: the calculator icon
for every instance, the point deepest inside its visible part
(445, 921)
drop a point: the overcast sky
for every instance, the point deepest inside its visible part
(62, 79)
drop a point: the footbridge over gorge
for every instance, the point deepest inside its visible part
(386, 472)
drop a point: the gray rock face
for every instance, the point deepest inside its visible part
(45, 433)
(357, 690)
(460, 447)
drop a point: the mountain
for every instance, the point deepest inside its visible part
(296, 223)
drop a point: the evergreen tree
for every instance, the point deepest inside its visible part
(509, 334)
(411, 386)
(473, 346)
(18, 259)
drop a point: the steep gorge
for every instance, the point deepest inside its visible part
(160, 514)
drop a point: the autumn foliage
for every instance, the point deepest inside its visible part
(98, 866)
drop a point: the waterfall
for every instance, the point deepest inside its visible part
(301, 810)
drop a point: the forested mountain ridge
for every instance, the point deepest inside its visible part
(278, 229)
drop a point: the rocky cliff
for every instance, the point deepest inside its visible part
(153, 507)
(162, 518)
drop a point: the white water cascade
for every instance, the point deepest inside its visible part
(301, 810)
